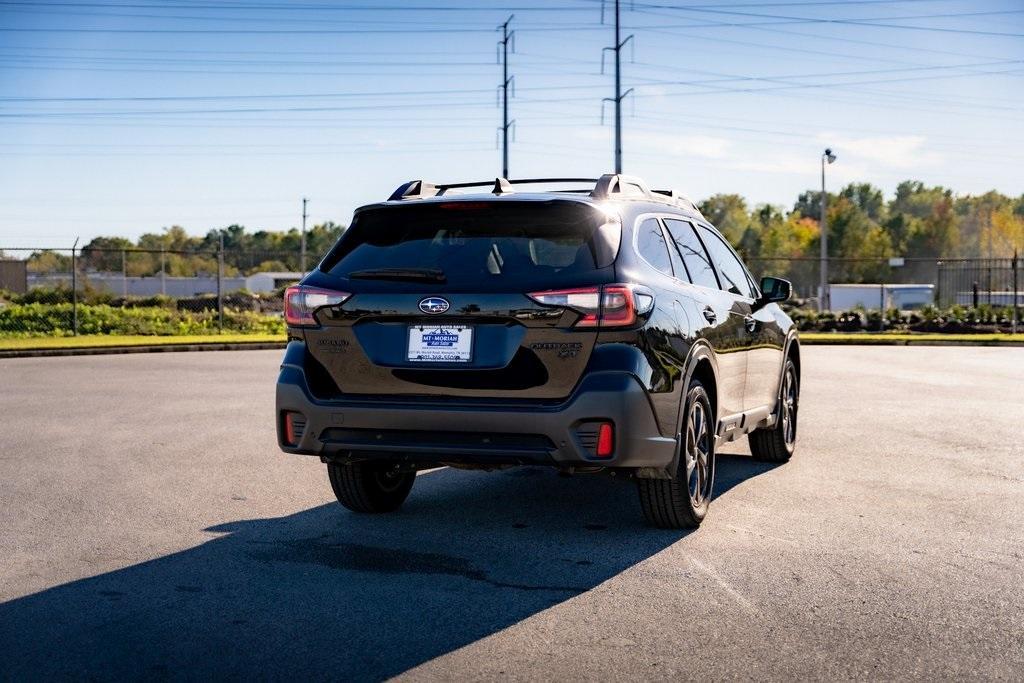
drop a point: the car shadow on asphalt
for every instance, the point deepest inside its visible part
(324, 593)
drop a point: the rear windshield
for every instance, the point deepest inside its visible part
(513, 244)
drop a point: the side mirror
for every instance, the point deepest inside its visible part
(774, 290)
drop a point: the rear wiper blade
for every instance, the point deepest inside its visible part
(421, 274)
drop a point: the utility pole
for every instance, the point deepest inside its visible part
(506, 81)
(302, 249)
(617, 99)
(823, 294)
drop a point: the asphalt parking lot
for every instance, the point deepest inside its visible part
(151, 529)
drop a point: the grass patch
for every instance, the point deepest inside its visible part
(105, 340)
(910, 338)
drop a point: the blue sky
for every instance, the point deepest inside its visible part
(119, 117)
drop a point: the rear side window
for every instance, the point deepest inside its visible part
(651, 244)
(733, 274)
(486, 244)
(695, 258)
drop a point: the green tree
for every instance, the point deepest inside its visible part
(808, 203)
(47, 261)
(935, 232)
(728, 213)
(104, 253)
(854, 235)
(867, 198)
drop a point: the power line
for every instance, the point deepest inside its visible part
(773, 29)
(775, 19)
(435, 8)
(392, 51)
(871, 22)
(719, 78)
(315, 8)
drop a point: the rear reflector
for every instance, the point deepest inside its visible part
(605, 440)
(294, 428)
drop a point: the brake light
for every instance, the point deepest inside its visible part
(464, 206)
(618, 307)
(301, 301)
(607, 306)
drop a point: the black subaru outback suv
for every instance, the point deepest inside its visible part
(609, 329)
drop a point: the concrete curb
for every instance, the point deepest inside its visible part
(908, 342)
(154, 348)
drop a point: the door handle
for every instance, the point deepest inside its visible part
(710, 315)
(751, 323)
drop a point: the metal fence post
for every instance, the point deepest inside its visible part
(163, 272)
(881, 307)
(990, 282)
(124, 273)
(1016, 296)
(74, 288)
(220, 284)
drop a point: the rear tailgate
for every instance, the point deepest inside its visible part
(472, 331)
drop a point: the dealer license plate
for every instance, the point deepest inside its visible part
(440, 343)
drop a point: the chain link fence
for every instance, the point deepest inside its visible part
(916, 294)
(942, 282)
(62, 292)
(59, 292)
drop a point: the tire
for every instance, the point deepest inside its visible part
(682, 502)
(370, 486)
(777, 443)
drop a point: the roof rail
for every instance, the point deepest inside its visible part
(414, 189)
(421, 189)
(608, 186)
(679, 199)
(623, 185)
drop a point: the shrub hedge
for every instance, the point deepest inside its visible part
(37, 319)
(955, 319)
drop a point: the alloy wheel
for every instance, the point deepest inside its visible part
(698, 455)
(789, 405)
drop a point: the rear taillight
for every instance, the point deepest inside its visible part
(300, 301)
(605, 306)
(584, 300)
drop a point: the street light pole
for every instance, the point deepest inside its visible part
(823, 294)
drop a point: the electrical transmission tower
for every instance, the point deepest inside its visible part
(617, 100)
(507, 38)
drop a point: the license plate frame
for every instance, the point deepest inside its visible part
(437, 344)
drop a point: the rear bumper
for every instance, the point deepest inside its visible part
(426, 431)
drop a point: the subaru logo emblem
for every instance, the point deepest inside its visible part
(434, 305)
